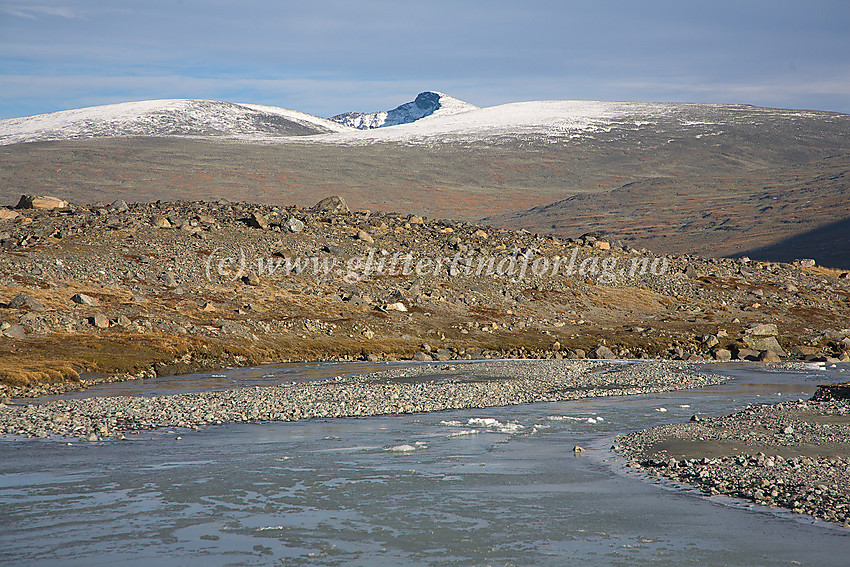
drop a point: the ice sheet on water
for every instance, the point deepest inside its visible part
(406, 448)
(483, 422)
(464, 432)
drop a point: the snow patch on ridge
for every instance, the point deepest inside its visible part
(170, 117)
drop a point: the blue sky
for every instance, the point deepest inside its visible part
(327, 57)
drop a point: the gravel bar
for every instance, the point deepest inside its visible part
(793, 455)
(420, 388)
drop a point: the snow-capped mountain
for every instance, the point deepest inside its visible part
(156, 118)
(429, 103)
(431, 117)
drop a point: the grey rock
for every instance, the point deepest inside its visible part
(443, 354)
(421, 357)
(602, 352)
(760, 343)
(257, 220)
(15, 331)
(99, 320)
(334, 205)
(365, 237)
(294, 225)
(41, 202)
(748, 354)
(83, 299)
(121, 206)
(762, 329)
(25, 301)
(160, 221)
(769, 356)
(168, 279)
(722, 354)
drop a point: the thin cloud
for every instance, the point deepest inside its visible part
(34, 12)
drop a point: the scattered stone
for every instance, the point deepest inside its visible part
(294, 225)
(251, 279)
(748, 354)
(421, 357)
(602, 352)
(168, 279)
(365, 237)
(578, 449)
(334, 205)
(15, 331)
(25, 301)
(160, 221)
(602, 245)
(83, 299)
(762, 329)
(398, 306)
(99, 320)
(480, 234)
(257, 220)
(8, 214)
(832, 392)
(769, 356)
(121, 206)
(41, 202)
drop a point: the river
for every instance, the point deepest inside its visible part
(499, 486)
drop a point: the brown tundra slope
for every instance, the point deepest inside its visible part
(88, 292)
(714, 180)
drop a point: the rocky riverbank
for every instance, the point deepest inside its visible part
(114, 291)
(411, 389)
(794, 455)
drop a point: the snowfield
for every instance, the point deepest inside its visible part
(431, 118)
(174, 117)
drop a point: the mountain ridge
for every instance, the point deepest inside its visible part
(425, 104)
(674, 177)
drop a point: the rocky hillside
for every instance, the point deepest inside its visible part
(173, 286)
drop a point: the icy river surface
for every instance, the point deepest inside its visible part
(499, 486)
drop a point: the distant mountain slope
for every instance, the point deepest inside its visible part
(157, 118)
(709, 179)
(776, 213)
(429, 103)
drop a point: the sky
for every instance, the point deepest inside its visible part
(326, 57)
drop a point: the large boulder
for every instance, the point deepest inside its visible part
(761, 343)
(762, 329)
(602, 351)
(41, 202)
(334, 205)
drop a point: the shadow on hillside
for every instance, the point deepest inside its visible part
(828, 245)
